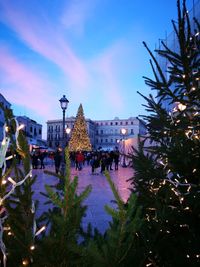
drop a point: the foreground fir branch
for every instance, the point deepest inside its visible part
(167, 164)
(19, 235)
(118, 246)
(61, 244)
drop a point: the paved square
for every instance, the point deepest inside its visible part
(100, 196)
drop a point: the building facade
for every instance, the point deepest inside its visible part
(32, 130)
(172, 43)
(55, 131)
(5, 104)
(103, 134)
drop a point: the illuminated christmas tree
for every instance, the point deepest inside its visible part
(80, 140)
(167, 167)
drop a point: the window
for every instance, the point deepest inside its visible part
(101, 131)
(106, 123)
(116, 123)
(121, 123)
(111, 123)
(115, 131)
(126, 122)
(31, 129)
(40, 131)
(101, 140)
(111, 140)
(106, 140)
(35, 132)
(97, 141)
(132, 132)
(97, 132)
(132, 123)
(111, 131)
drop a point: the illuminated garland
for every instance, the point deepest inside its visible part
(3, 216)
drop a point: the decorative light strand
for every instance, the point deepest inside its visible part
(3, 150)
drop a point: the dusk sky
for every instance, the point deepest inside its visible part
(89, 50)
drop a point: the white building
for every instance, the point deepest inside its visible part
(172, 43)
(32, 130)
(104, 134)
(55, 131)
(5, 104)
(109, 132)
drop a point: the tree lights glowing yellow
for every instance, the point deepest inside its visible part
(80, 140)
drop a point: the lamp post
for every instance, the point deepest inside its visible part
(68, 130)
(63, 103)
(123, 131)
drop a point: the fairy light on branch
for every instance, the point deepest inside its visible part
(3, 150)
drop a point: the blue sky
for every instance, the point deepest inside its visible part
(89, 50)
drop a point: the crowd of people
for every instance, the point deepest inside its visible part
(97, 160)
(102, 160)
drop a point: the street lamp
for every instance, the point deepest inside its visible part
(63, 103)
(123, 131)
(68, 130)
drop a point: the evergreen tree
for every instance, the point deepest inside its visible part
(167, 171)
(80, 140)
(19, 226)
(61, 245)
(119, 245)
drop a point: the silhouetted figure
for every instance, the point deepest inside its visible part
(41, 158)
(57, 160)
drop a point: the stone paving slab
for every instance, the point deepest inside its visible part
(100, 196)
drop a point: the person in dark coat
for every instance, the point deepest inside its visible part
(41, 158)
(116, 159)
(35, 160)
(57, 160)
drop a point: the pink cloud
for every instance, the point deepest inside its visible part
(41, 36)
(24, 87)
(76, 14)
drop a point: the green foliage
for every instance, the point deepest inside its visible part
(167, 166)
(118, 246)
(19, 236)
(60, 247)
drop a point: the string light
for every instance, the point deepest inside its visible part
(32, 247)
(40, 230)
(25, 262)
(3, 150)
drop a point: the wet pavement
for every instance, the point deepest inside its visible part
(100, 196)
